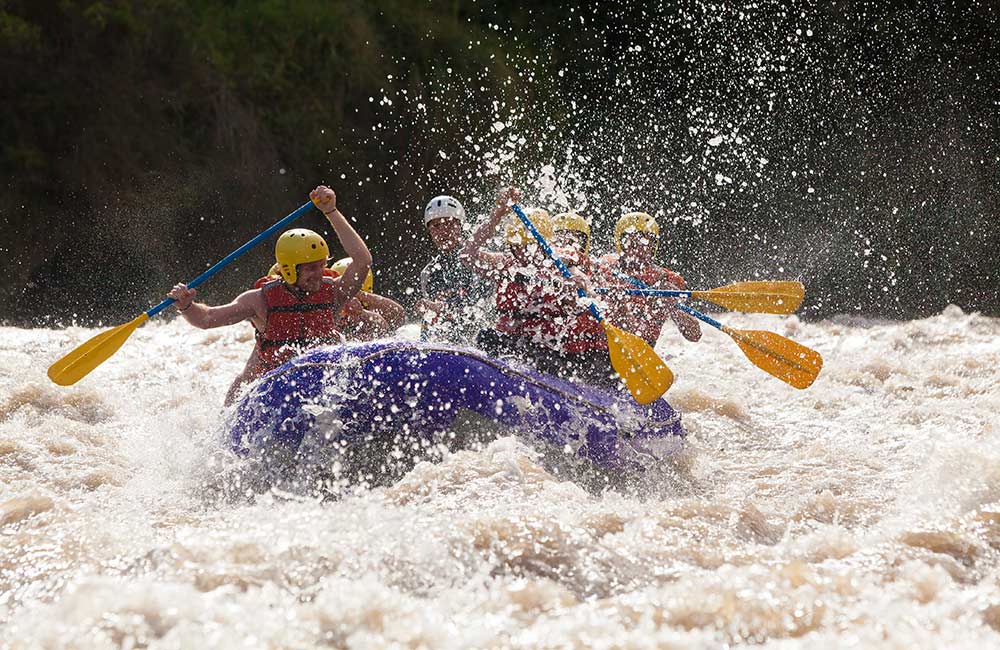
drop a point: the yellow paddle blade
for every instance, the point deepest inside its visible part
(77, 364)
(642, 370)
(791, 362)
(763, 297)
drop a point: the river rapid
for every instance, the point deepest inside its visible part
(862, 512)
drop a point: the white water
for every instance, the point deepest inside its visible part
(864, 511)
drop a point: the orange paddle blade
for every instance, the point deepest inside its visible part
(643, 371)
(791, 362)
(762, 297)
(77, 364)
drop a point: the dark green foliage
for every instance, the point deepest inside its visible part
(124, 123)
(142, 140)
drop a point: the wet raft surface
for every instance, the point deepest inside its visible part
(862, 511)
(380, 407)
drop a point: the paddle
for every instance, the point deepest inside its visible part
(644, 373)
(791, 362)
(764, 296)
(78, 363)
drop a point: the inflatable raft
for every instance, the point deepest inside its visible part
(373, 409)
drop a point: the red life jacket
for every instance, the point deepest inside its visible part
(295, 322)
(512, 302)
(345, 321)
(560, 323)
(582, 332)
(585, 334)
(536, 308)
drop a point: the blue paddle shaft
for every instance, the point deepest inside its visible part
(645, 287)
(555, 258)
(236, 253)
(648, 292)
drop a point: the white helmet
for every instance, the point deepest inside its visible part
(443, 207)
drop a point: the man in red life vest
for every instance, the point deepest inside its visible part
(636, 237)
(366, 316)
(301, 309)
(539, 315)
(577, 345)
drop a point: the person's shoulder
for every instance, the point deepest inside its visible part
(255, 298)
(267, 280)
(258, 291)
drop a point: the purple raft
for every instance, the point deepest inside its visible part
(401, 400)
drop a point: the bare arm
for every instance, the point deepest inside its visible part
(424, 279)
(249, 305)
(387, 308)
(361, 258)
(473, 256)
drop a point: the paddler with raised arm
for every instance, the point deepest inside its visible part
(637, 236)
(297, 311)
(540, 317)
(516, 273)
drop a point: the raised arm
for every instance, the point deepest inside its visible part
(473, 256)
(354, 275)
(387, 308)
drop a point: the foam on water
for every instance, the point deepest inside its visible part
(863, 511)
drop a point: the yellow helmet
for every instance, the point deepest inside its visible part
(573, 222)
(635, 222)
(518, 235)
(298, 246)
(341, 265)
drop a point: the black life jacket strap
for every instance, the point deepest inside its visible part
(301, 307)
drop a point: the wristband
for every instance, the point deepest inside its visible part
(186, 308)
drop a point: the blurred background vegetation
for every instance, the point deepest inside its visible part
(850, 144)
